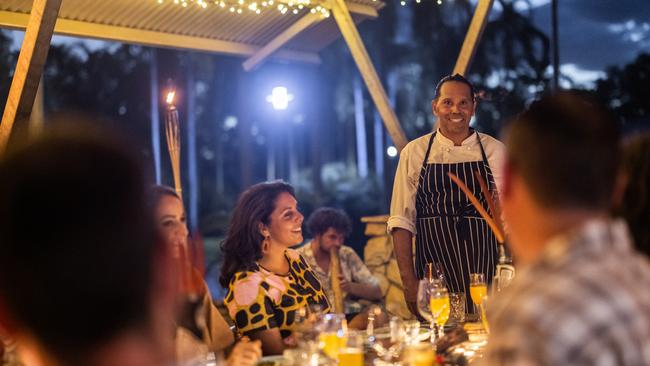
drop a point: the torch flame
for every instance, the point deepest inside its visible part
(170, 97)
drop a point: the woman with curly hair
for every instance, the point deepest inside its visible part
(267, 282)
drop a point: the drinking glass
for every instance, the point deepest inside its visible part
(420, 354)
(477, 287)
(334, 331)
(433, 303)
(351, 350)
(457, 303)
(440, 307)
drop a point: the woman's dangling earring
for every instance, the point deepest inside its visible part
(266, 244)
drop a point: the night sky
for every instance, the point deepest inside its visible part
(595, 34)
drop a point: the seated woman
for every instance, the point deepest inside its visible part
(267, 282)
(201, 328)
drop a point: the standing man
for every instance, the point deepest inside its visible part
(329, 228)
(582, 295)
(426, 203)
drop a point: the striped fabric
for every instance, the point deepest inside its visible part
(450, 230)
(585, 301)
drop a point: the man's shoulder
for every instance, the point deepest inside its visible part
(491, 141)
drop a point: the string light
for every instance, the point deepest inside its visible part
(293, 7)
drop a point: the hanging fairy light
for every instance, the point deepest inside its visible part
(293, 7)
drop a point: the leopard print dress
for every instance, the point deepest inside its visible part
(260, 299)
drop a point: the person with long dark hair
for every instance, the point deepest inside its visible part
(267, 281)
(201, 328)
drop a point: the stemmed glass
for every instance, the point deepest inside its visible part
(433, 304)
(477, 290)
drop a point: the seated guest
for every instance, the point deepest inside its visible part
(82, 279)
(581, 296)
(267, 282)
(634, 205)
(329, 228)
(201, 328)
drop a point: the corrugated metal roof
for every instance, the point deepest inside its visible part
(147, 17)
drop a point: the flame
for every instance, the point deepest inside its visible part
(170, 97)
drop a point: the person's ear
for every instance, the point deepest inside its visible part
(434, 108)
(264, 230)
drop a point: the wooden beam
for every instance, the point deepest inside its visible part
(473, 36)
(151, 38)
(283, 38)
(368, 72)
(29, 68)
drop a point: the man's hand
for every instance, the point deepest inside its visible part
(411, 296)
(346, 286)
(245, 353)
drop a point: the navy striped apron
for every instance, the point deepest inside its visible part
(450, 230)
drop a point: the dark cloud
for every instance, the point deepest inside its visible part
(609, 11)
(586, 35)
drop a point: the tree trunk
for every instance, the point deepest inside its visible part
(191, 148)
(360, 129)
(155, 117)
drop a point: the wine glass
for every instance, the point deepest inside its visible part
(477, 290)
(430, 310)
(440, 307)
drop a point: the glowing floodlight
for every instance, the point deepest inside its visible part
(279, 98)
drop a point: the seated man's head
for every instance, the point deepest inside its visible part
(561, 168)
(77, 245)
(329, 227)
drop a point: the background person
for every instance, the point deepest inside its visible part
(426, 203)
(581, 295)
(201, 328)
(634, 205)
(83, 280)
(267, 282)
(329, 228)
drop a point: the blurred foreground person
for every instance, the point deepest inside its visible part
(79, 266)
(634, 205)
(201, 328)
(329, 228)
(582, 295)
(267, 282)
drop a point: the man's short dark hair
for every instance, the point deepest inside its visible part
(76, 242)
(326, 217)
(566, 148)
(457, 78)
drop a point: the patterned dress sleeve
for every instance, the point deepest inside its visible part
(249, 304)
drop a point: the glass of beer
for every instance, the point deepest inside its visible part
(351, 351)
(333, 336)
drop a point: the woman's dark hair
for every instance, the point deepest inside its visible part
(157, 192)
(635, 206)
(457, 78)
(326, 217)
(242, 246)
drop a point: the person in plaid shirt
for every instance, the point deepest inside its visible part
(582, 293)
(329, 228)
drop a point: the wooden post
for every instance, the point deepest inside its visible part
(29, 68)
(367, 70)
(37, 117)
(473, 36)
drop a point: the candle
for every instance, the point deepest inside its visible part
(172, 131)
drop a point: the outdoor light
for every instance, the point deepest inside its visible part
(279, 98)
(391, 151)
